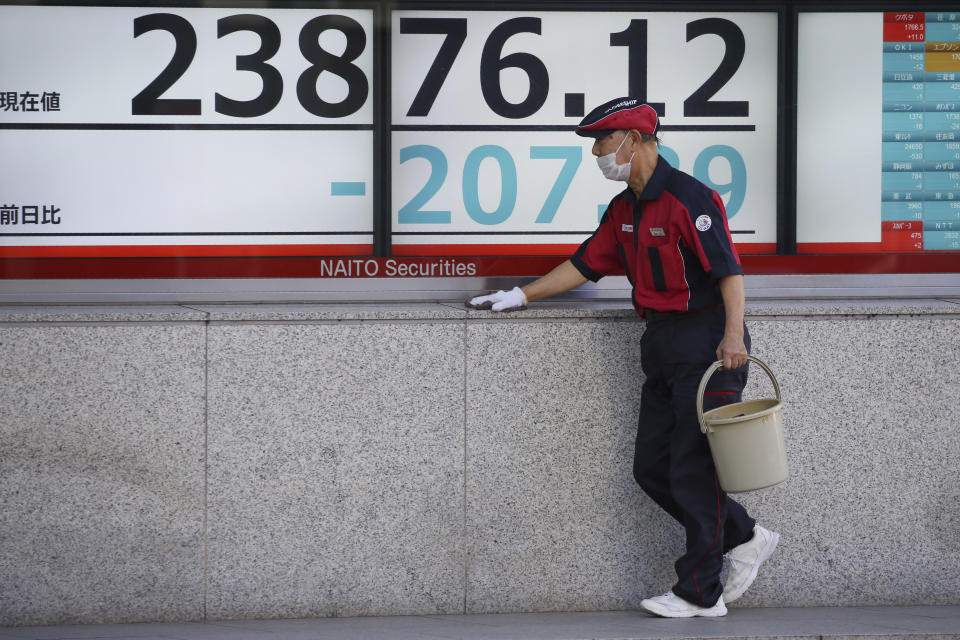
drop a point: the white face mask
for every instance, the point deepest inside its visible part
(608, 164)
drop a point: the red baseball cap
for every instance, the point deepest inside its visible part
(620, 113)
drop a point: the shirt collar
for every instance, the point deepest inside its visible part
(655, 185)
(658, 180)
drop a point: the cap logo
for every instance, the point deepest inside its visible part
(703, 222)
(625, 103)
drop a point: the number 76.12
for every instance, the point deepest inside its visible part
(634, 37)
(413, 212)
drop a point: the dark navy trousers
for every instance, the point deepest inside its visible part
(672, 461)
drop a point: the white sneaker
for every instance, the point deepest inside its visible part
(670, 605)
(746, 559)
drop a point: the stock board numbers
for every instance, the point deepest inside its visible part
(503, 201)
(492, 62)
(484, 106)
(699, 102)
(512, 69)
(318, 58)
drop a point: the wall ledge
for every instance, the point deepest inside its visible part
(446, 311)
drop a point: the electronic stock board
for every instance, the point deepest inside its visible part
(262, 132)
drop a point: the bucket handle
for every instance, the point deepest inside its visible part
(709, 373)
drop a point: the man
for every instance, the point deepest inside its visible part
(669, 233)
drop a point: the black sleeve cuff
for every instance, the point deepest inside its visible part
(729, 270)
(584, 270)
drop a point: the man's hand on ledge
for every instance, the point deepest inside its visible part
(513, 300)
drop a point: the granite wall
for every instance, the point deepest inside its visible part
(210, 462)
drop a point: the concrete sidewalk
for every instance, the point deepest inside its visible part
(860, 623)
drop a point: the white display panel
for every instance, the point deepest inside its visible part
(838, 127)
(484, 105)
(178, 126)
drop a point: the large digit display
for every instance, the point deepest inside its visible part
(159, 131)
(484, 104)
(878, 145)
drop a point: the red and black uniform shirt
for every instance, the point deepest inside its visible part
(673, 242)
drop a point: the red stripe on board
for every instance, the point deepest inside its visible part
(483, 266)
(276, 267)
(928, 262)
(755, 248)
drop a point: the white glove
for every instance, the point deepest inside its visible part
(513, 300)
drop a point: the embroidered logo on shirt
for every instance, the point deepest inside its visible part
(627, 227)
(657, 232)
(703, 222)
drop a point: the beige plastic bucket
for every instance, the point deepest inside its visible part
(746, 438)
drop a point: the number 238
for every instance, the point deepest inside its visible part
(149, 102)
